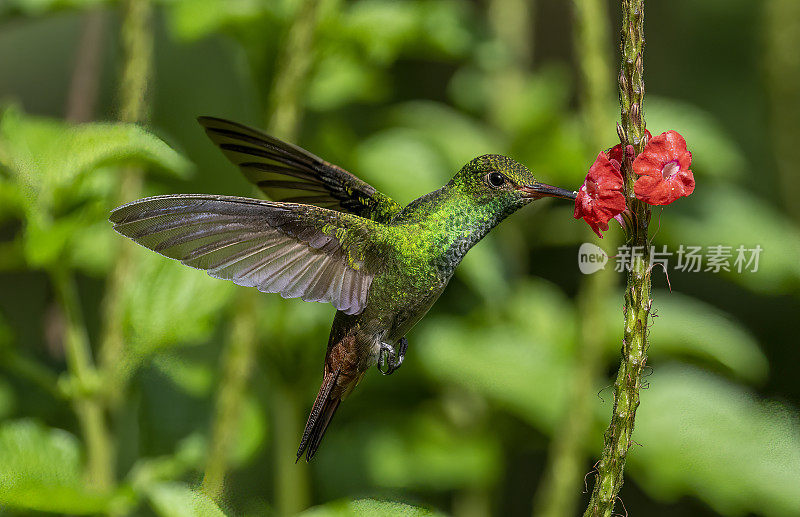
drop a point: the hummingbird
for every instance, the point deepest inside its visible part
(328, 236)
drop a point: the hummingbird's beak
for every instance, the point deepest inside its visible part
(540, 190)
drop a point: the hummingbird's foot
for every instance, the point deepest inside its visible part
(403, 347)
(386, 359)
(390, 360)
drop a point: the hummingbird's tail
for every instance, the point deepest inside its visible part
(325, 406)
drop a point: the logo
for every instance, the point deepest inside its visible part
(591, 258)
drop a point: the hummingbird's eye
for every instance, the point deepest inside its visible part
(495, 179)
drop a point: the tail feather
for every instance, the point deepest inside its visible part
(322, 412)
(325, 419)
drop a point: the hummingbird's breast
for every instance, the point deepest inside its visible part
(423, 246)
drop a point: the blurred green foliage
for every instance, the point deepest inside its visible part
(367, 507)
(403, 93)
(41, 470)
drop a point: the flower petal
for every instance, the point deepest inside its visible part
(663, 153)
(615, 153)
(601, 196)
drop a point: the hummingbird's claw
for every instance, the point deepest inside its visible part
(403, 347)
(386, 359)
(389, 360)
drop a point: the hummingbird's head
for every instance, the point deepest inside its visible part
(493, 177)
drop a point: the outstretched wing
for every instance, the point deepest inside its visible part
(295, 250)
(288, 173)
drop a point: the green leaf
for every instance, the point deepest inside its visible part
(41, 470)
(340, 78)
(368, 508)
(193, 377)
(536, 103)
(293, 324)
(8, 402)
(685, 326)
(530, 336)
(709, 438)
(170, 304)
(426, 452)
(47, 154)
(92, 246)
(179, 500)
(83, 235)
(727, 216)
(534, 111)
(40, 7)
(557, 155)
(483, 269)
(5, 333)
(469, 88)
(65, 207)
(381, 27)
(189, 454)
(714, 152)
(402, 162)
(430, 145)
(456, 136)
(195, 19)
(12, 200)
(445, 26)
(477, 359)
(251, 432)
(384, 29)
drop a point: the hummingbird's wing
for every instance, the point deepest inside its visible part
(295, 250)
(288, 173)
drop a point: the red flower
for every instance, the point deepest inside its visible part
(601, 196)
(615, 153)
(663, 169)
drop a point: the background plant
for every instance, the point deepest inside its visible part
(497, 377)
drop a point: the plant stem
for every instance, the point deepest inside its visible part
(291, 479)
(137, 44)
(285, 100)
(472, 502)
(617, 438)
(561, 488)
(511, 23)
(88, 63)
(84, 382)
(136, 38)
(239, 356)
(592, 37)
(32, 370)
(563, 484)
(783, 75)
(292, 491)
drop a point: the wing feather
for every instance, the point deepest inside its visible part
(295, 250)
(275, 166)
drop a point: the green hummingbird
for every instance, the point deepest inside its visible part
(331, 237)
